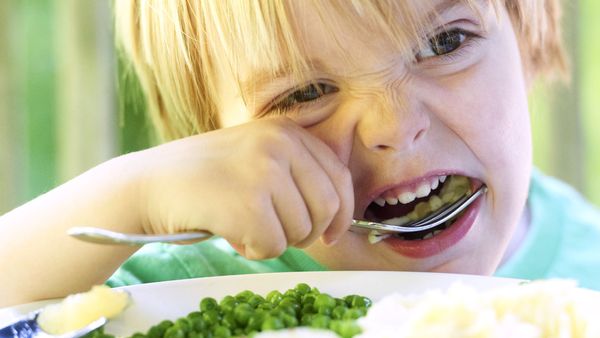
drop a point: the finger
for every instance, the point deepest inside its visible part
(253, 228)
(318, 192)
(340, 178)
(265, 238)
(291, 210)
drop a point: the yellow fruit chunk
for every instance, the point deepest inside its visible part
(78, 310)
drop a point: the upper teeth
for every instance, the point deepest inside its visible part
(405, 197)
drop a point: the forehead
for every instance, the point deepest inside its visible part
(301, 36)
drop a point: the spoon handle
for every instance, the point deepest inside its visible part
(103, 236)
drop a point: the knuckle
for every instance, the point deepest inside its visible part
(254, 203)
(300, 232)
(264, 243)
(273, 137)
(329, 206)
(263, 251)
(266, 167)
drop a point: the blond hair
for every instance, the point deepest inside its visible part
(175, 46)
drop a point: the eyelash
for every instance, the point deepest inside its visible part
(278, 107)
(469, 40)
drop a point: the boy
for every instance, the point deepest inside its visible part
(320, 112)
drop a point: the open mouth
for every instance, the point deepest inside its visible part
(410, 206)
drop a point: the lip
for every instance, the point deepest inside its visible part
(444, 240)
(410, 184)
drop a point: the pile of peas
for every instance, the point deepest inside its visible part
(247, 313)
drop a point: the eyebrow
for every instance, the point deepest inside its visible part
(443, 7)
(261, 77)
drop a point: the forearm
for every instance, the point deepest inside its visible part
(39, 260)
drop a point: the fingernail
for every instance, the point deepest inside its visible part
(328, 242)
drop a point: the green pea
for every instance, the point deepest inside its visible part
(308, 309)
(368, 302)
(274, 297)
(302, 288)
(138, 335)
(208, 303)
(356, 301)
(175, 332)
(289, 301)
(221, 332)
(323, 310)
(345, 328)
(195, 334)
(276, 312)
(354, 313)
(267, 306)
(99, 334)
(320, 322)
(242, 313)
(338, 312)
(256, 320)
(244, 296)
(158, 331)
(196, 321)
(183, 324)
(324, 300)
(255, 300)
(229, 321)
(292, 294)
(272, 323)
(285, 309)
(308, 299)
(227, 304)
(306, 319)
(289, 320)
(211, 317)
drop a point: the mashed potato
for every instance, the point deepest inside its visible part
(541, 309)
(76, 311)
(538, 309)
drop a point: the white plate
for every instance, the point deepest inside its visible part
(154, 302)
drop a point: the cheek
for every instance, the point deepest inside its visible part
(504, 116)
(486, 107)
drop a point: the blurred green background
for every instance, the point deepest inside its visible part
(67, 102)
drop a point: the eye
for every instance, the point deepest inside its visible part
(308, 93)
(443, 43)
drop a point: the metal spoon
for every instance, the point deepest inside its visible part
(102, 236)
(28, 327)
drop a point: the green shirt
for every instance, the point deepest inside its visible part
(563, 241)
(214, 257)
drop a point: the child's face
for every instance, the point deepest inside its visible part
(397, 125)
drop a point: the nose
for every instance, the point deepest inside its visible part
(392, 121)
